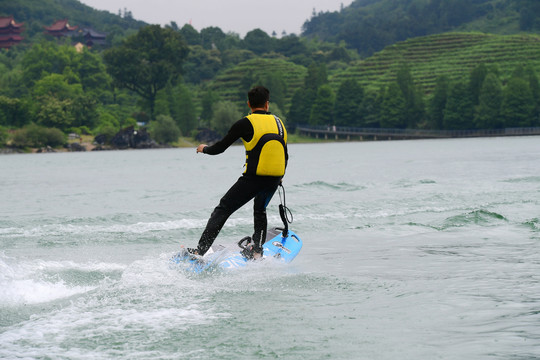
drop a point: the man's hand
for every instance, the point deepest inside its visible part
(201, 147)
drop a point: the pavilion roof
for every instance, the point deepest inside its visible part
(92, 33)
(7, 21)
(60, 25)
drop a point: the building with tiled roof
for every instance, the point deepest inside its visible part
(61, 28)
(10, 32)
(92, 37)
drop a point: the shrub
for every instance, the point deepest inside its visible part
(164, 130)
(105, 133)
(38, 136)
(225, 114)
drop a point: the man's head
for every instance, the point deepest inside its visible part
(258, 97)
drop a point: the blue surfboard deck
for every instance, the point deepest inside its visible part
(226, 257)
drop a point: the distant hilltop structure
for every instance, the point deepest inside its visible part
(89, 36)
(92, 37)
(61, 28)
(10, 32)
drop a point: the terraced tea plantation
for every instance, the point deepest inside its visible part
(451, 54)
(230, 85)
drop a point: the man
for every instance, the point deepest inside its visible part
(265, 139)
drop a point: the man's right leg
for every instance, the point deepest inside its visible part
(260, 222)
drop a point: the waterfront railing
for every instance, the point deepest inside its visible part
(340, 132)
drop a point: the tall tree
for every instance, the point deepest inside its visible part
(14, 112)
(316, 76)
(304, 98)
(517, 106)
(208, 100)
(476, 81)
(459, 111)
(259, 42)
(488, 112)
(414, 103)
(46, 58)
(371, 108)
(437, 103)
(190, 34)
(212, 38)
(146, 61)
(186, 112)
(275, 82)
(348, 103)
(393, 112)
(92, 72)
(321, 112)
(300, 106)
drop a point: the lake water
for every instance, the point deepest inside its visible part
(412, 250)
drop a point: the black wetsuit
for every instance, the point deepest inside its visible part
(259, 188)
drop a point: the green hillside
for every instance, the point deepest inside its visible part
(231, 83)
(370, 25)
(450, 54)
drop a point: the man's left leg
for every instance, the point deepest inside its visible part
(239, 194)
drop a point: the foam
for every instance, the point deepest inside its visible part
(28, 291)
(70, 229)
(24, 283)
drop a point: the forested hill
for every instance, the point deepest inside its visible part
(371, 25)
(39, 13)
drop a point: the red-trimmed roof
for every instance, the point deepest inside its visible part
(7, 21)
(60, 25)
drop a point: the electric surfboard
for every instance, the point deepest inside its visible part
(281, 244)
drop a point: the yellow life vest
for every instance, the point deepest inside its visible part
(266, 152)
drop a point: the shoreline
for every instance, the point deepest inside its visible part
(185, 142)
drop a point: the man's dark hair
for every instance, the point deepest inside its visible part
(258, 96)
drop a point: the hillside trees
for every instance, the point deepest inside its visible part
(146, 61)
(529, 11)
(202, 64)
(480, 101)
(62, 105)
(59, 88)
